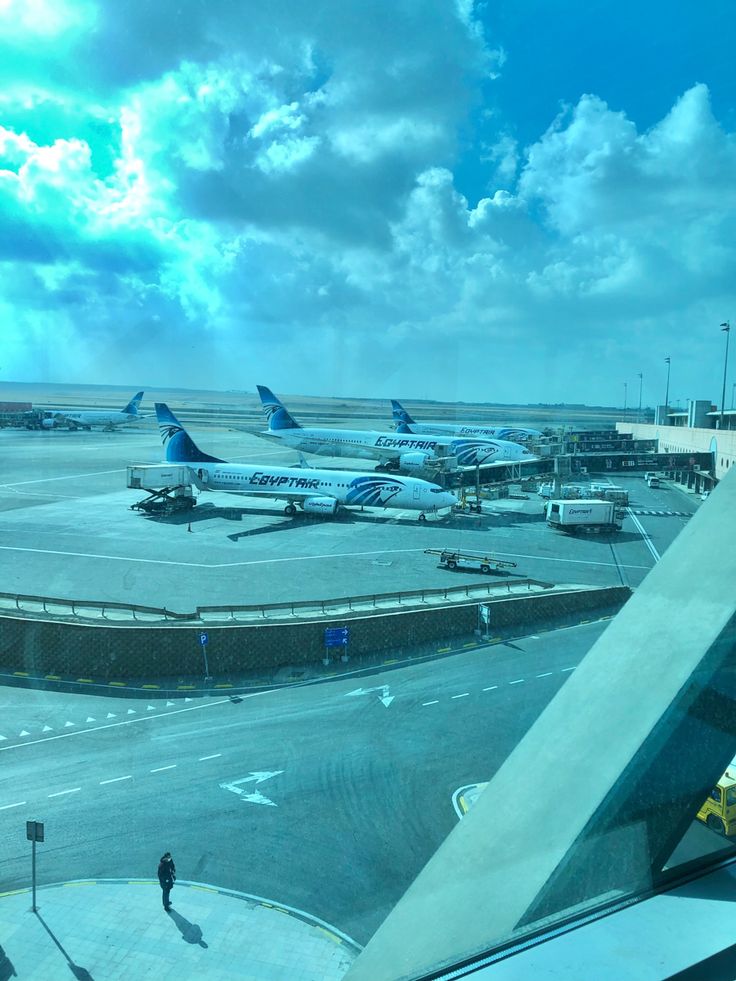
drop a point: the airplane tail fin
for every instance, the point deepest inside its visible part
(179, 445)
(132, 406)
(402, 427)
(277, 414)
(400, 414)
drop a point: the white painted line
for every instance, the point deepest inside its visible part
(545, 674)
(71, 476)
(464, 695)
(90, 719)
(141, 718)
(24, 733)
(570, 669)
(47, 729)
(644, 534)
(68, 724)
(213, 757)
(116, 779)
(435, 702)
(18, 804)
(517, 682)
(160, 769)
(491, 688)
(61, 793)
(131, 712)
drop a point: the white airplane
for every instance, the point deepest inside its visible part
(315, 491)
(86, 418)
(405, 423)
(396, 452)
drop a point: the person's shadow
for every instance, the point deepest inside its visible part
(190, 932)
(7, 971)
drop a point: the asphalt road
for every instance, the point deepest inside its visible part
(359, 777)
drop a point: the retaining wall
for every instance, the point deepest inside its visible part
(121, 651)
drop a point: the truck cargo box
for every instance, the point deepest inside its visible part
(582, 515)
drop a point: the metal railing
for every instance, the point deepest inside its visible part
(286, 609)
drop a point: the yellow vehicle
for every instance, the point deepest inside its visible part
(719, 809)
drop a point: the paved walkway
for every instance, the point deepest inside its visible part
(114, 929)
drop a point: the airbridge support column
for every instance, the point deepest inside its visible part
(622, 757)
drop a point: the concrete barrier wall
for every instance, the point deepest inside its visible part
(122, 652)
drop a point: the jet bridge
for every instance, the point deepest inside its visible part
(170, 487)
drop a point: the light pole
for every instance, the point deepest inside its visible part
(727, 328)
(625, 386)
(638, 414)
(667, 390)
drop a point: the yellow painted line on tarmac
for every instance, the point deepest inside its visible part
(267, 905)
(85, 681)
(117, 684)
(444, 650)
(88, 882)
(329, 934)
(581, 622)
(52, 677)
(21, 674)
(225, 685)
(186, 687)
(462, 804)
(141, 882)
(150, 686)
(472, 643)
(392, 661)
(204, 889)
(14, 892)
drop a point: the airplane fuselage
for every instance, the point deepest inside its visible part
(512, 433)
(421, 450)
(348, 488)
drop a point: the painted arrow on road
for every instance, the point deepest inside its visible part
(256, 797)
(384, 696)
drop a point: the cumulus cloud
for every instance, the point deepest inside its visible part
(281, 187)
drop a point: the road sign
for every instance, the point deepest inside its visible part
(336, 636)
(34, 831)
(203, 638)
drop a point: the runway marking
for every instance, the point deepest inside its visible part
(160, 769)
(130, 722)
(545, 674)
(291, 558)
(517, 682)
(61, 793)
(19, 803)
(69, 476)
(644, 534)
(129, 776)
(212, 757)
(435, 702)
(569, 669)
(464, 695)
(491, 688)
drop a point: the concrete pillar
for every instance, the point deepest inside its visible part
(592, 802)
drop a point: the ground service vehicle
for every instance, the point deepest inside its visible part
(719, 808)
(452, 559)
(575, 516)
(653, 482)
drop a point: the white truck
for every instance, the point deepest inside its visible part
(582, 516)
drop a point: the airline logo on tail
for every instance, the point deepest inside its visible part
(400, 414)
(132, 407)
(179, 445)
(372, 491)
(277, 414)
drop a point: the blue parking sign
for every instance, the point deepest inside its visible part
(203, 638)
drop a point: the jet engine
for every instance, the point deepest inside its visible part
(320, 505)
(416, 461)
(49, 422)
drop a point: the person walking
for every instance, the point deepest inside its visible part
(166, 877)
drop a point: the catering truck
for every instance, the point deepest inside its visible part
(582, 516)
(719, 808)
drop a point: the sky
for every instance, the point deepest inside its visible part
(515, 201)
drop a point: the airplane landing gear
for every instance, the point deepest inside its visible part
(290, 509)
(422, 516)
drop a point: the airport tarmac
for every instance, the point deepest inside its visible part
(67, 531)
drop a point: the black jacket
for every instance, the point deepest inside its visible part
(166, 872)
